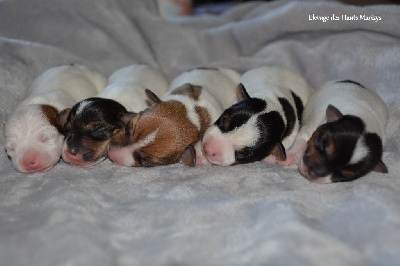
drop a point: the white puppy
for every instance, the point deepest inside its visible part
(33, 134)
(127, 86)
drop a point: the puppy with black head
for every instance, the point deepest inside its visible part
(263, 123)
(90, 124)
(343, 135)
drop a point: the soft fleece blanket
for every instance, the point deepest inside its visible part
(254, 214)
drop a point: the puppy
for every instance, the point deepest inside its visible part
(166, 132)
(33, 133)
(263, 123)
(90, 124)
(343, 134)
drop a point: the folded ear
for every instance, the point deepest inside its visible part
(63, 116)
(189, 156)
(125, 117)
(279, 151)
(332, 113)
(381, 168)
(241, 93)
(3, 127)
(153, 99)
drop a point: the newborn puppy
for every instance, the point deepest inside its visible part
(166, 132)
(90, 124)
(263, 123)
(33, 133)
(343, 134)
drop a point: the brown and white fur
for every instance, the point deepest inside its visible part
(33, 133)
(343, 134)
(166, 132)
(90, 124)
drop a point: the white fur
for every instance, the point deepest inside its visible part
(350, 99)
(127, 86)
(28, 131)
(220, 86)
(123, 156)
(269, 84)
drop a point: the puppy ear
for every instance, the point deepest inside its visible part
(152, 97)
(332, 113)
(3, 127)
(189, 156)
(125, 117)
(381, 168)
(241, 93)
(279, 151)
(62, 117)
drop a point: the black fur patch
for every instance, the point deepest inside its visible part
(94, 124)
(238, 114)
(290, 116)
(299, 105)
(344, 134)
(271, 128)
(350, 81)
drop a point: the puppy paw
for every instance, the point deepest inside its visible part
(270, 159)
(291, 159)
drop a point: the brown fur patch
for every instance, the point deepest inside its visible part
(51, 114)
(188, 89)
(205, 119)
(98, 148)
(311, 152)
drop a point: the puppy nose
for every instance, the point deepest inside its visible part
(29, 162)
(209, 151)
(73, 151)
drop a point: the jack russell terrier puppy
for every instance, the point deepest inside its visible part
(90, 124)
(263, 123)
(343, 134)
(166, 132)
(33, 133)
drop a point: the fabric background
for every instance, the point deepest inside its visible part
(254, 214)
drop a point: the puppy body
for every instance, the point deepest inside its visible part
(127, 86)
(343, 134)
(90, 124)
(166, 132)
(33, 134)
(263, 123)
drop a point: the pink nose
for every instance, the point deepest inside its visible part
(211, 152)
(30, 162)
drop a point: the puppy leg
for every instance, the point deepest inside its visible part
(295, 153)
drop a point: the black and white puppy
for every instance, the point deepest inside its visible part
(90, 124)
(263, 123)
(343, 135)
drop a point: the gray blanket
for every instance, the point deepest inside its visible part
(254, 214)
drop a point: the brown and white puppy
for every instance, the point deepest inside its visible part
(167, 132)
(343, 135)
(90, 124)
(33, 133)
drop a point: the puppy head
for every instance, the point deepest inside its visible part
(341, 150)
(161, 134)
(33, 138)
(88, 127)
(244, 133)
